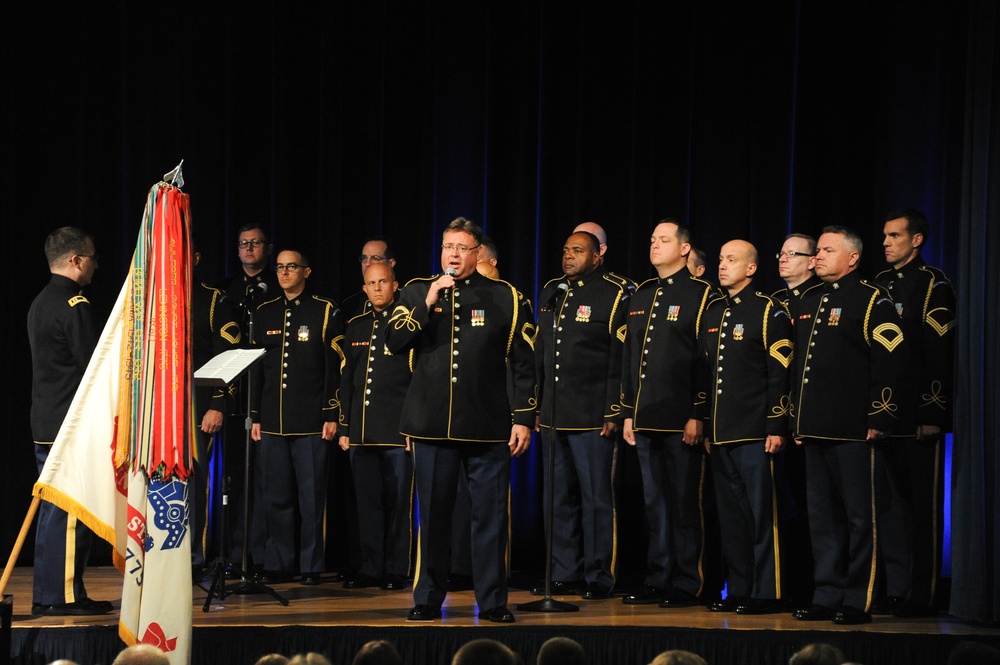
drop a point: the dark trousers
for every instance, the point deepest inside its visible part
(62, 548)
(437, 465)
(910, 513)
(744, 492)
(583, 535)
(673, 477)
(198, 497)
(840, 492)
(295, 476)
(383, 482)
(461, 530)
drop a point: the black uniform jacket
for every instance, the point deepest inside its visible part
(462, 349)
(62, 335)
(925, 301)
(295, 388)
(374, 382)
(213, 330)
(586, 375)
(354, 304)
(746, 340)
(791, 298)
(852, 361)
(659, 366)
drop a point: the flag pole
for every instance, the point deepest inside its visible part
(21, 537)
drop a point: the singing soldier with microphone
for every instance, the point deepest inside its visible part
(465, 330)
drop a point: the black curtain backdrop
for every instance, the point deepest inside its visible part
(332, 122)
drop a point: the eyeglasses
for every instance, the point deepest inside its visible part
(255, 243)
(790, 255)
(288, 267)
(94, 256)
(375, 258)
(461, 249)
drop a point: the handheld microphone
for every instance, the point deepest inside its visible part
(450, 272)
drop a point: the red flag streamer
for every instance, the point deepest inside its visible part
(170, 268)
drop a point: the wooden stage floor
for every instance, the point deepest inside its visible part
(373, 612)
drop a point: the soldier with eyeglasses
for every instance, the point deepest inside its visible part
(465, 330)
(244, 290)
(375, 250)
(295, 412)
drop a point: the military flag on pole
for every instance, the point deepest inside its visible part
(122, 457)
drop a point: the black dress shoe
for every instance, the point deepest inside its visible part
(759, 606)
(647, 595)
(276, 577)
(568, 588)
(850, 616)
(887, 605)
(424, 613)
(596, 591)
(729, 604)
(310, 579)
(679, 598)
(814, 613)
(395, 583)
(498, 614)
(84, 607)
(362, 581)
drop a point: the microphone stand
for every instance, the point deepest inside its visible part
(247, 586)
(548, 603)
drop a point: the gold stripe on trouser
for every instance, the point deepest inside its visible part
(871, 576)
(413, 489)
(69, 565)
(420, 535)
(701, 517)
(506, 554)
(774, 532)
(614, 512)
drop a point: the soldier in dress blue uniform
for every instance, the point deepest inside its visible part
(853, 354)
(797, 267)
(580, 389)
(749, 335)
(62, 334)
(466, 330)
(662, 413)
(911, 521)
(373, 388)
(245, 290)
(295, 416)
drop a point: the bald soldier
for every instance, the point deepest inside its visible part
(749, 335)
(373, 387)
